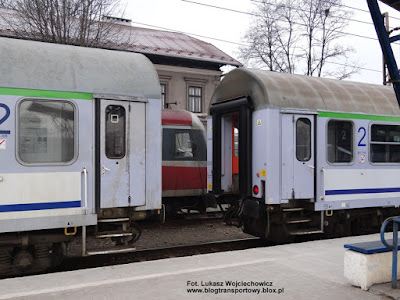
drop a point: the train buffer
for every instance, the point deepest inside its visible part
(373, 262)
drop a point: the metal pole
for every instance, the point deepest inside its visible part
(84, 241)
(385, 45)
(394, 257)
(386, 80)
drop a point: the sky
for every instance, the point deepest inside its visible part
(225, 29)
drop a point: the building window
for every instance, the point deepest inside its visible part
(47, 132)
(115, 131)
(195, 95)
(164, 95)
(385, 143)
(303, 139)
(340, 141)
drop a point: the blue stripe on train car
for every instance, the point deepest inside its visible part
(39, 206)
(361, 191)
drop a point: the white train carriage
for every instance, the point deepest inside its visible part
(304, 155)
(80, 145)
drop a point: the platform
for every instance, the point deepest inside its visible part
(311, 270)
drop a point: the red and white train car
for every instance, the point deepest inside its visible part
(184, 165)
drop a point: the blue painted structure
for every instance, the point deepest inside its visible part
(394, 246)
(385, 42)
(369, 247)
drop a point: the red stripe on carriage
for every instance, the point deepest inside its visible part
(184, 178)
(179, 117)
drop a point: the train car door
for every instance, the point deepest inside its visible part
(122, 153)
(297, 156)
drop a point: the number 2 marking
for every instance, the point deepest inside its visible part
(360, 143)
(7, 114)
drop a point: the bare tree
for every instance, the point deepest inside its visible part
(77, 22)
(299, 36)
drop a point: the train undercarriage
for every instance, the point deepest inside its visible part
(283, 223)
(24, 253)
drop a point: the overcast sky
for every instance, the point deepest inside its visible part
(225, 29)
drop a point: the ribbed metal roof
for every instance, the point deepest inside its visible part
(271, 89)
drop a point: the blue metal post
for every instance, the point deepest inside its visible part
(385, 45)
(394, 247)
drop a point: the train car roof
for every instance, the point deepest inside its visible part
(44, 66)
(271, 89)
(181, 117)
(176, 117)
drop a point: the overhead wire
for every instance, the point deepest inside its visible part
(253, 14)
(192, 34)
(243, 44)
(240, 44)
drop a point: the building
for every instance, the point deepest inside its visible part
(189, 69)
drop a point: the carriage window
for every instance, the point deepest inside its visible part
(115, 131)
(340, 141)
(183, 145)
(46, 131)
(385, 143)
(303, 139)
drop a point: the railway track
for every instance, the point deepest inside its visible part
(108, 259)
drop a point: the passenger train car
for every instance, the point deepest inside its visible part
(304, 155)
(80, 146)
(184, 165)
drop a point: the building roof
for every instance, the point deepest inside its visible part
(152, 42)
(271, 89)
(175, 44)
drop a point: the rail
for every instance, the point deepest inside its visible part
(394, 246)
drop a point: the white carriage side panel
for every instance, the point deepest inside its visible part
(350, 184)
(259, 149)
(29, 195)
(273, 153)
(53, 183)
(226, 155)
(209, 154)
(288, 149)
(153, 156)
(137, 153)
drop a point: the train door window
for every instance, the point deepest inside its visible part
(46, 132)
(385, 143)
(303, 139)
(236, 138)
(115, 140)
(340, 141)
(183, 145)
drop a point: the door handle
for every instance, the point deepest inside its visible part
(104, 169)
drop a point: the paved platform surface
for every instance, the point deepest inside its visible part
(312, 270)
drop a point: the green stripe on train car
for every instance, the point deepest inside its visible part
(336, 115)
(45, 94)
